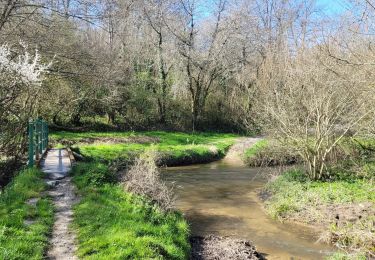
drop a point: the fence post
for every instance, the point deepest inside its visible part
(41, 137)
(47, 133)
(31, 143)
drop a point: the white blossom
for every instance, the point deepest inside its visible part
(25, 67)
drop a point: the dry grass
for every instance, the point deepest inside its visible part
(143, 179)
(215, 248)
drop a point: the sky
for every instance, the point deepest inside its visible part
(332, 7)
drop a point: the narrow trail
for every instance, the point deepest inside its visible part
(236, 151)
(57, 165)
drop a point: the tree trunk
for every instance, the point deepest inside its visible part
(163, 80)
(111, 117)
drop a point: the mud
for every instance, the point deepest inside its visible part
(338, 214)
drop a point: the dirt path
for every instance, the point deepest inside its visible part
(236, 152)
(57, 165)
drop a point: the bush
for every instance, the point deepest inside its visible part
(143, 179)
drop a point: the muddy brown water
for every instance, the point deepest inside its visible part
(219, 198)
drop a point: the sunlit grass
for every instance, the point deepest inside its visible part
(17, 239)
(114, 224)
(173, 147)
(295, 196)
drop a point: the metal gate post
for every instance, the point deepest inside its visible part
(31, 143)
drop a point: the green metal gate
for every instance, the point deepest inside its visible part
(38, 140)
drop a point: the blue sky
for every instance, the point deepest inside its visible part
(332, 7)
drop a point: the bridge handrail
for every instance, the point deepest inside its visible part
(37, 139)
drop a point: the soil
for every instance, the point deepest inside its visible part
(63, 238)
(216, 248)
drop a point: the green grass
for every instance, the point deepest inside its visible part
(174, 148)
(292, 191)
(253, 150)
(18, 240)
(295, 197)
(269, 152)
(114, 224)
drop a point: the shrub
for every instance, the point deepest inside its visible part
(143, 179)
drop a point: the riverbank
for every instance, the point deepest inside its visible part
(343, 211)
(107, 210)
(221, 198)
(173, 148)
(342, 208)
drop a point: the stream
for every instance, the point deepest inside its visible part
(219, 198)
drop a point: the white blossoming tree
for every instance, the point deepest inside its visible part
(21, 76)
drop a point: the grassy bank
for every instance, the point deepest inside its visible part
(25, 227)
(173, 148)
(114, 224)
(268, 152)
(343, 209)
